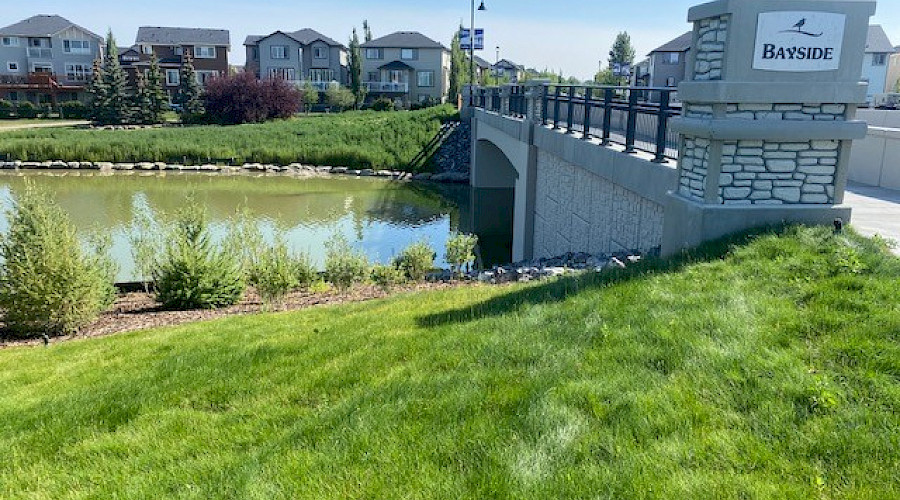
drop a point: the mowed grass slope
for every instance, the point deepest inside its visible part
(773, 372)
(357, 139)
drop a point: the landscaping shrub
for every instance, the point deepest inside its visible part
(27, 110)
(49, 284)
(344, 266)
(241, 98)
(383, 104)
(7, 110)
(306, 272)
(339, 98)
(460, 251)
(74, 110)
(146, 239)
(275, 273)
(387, 277)
(193, 273)
(416, 260)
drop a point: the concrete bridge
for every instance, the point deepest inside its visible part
(748, 144)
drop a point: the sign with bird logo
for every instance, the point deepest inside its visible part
(799, 41)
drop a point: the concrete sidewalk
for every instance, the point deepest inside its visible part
(875, 211)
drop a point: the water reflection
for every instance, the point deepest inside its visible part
(380, 217)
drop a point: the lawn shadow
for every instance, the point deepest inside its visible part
(559, 289)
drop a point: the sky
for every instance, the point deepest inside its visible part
(571, 36)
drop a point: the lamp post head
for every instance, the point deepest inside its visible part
(482, 7)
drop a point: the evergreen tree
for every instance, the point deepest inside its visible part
(97, 92)
(159, 99)
(189, 92)
(109, 91)
(622, 53)
(356, 77)
(367, 31)
(142, 101)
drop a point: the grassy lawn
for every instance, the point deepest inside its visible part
(364, 139)
(771, 372)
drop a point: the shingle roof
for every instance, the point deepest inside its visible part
(159, 35)
(41, 26)
(481, 63)
(404, 40)
(877, 40)
(506, 63)
(680, 44)
(304, 36)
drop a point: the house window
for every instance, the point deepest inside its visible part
(13, 96)
(374, 76)
(321, 75)
(320, 53)
(10, 41)
(672, 57)
(204, 52)
(409, 54)
(283, 73)
(670, 81)
(173, 77)
(203, 76)
(77, 72)
(35, 42)
(879, 59)
(42, 68)
(279, 52)
(147, 49)
(426, 79)
(374, 53)
(12, 66)
(76, 46)
(178, 51)
(254, 53)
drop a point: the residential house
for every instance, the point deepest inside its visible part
(875, 63)
(505, 68)
(668, 63)
(303, 55)
(46, 59)
(640, 74)
(406, 65)
(208, 49)
(482, 69)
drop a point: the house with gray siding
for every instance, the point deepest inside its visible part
(46, 59)
(506, 69)
(876, 62)
(668, 63)
(408, 66)
(298, 56)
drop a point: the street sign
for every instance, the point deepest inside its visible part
(620, 69)
(465, 42)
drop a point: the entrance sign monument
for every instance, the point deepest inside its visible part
(813, 41)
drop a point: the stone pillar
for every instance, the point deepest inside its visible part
(534, 97)
(505, 93)
(768, 119)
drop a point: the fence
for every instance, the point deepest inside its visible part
(635, 117)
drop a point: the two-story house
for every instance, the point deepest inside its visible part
(46, 59)
(406, 65)
(208, 49)
(300, 56)
(875, 63)
(668, 63)
(506, 69)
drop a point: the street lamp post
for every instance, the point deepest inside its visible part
(472, 53)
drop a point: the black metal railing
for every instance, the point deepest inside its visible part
(635, 117)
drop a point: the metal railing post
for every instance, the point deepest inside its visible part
(545, 105)
(587, 113)
(570, 118)
(556, 109)
(662, 122)
(632, 121)
(607, 114)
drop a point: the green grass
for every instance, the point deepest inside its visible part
(362, 139)
(770, 372)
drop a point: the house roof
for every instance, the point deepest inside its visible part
(681, 44)
(481, 63)
(506, 63)
(159, 35)
(404, 40)
(397, 65)
(42, 26)
(303, 36)
(878, 41)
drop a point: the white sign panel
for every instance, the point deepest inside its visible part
(465, 41)
(799, 41)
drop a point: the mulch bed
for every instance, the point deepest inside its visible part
(140, 311)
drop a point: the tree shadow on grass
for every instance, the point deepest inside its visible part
(558, 290)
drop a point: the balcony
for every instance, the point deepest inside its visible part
(387, 87)
(39, 53)
(40, 82)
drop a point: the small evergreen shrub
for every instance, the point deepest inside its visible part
(146, 239)
(460, 251)
(416, 261)
(27, 110)
(7, 110)
(193, 273)
(387, 277)
(73, 110)
(339, 98)
(383, 104)
(344, 266)
(306, 272)
(49, 284)
(275, 273)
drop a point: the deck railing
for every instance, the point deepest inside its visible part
(635, 117)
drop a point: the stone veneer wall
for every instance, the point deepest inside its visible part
(578, 211)
(712, 37)
(765, 172)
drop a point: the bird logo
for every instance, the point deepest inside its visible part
(798, 28)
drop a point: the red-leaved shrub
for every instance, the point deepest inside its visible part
(242, 98)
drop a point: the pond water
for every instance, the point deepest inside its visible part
(380, 217)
